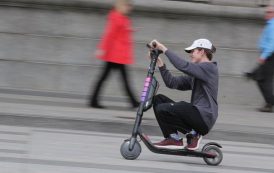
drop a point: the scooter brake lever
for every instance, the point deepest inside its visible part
(148, 46)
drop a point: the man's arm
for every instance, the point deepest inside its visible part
(268, 45)
(189, 68)
(174, 82)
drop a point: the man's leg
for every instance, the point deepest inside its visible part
(172, 139)
(269, 82)
(262, 87)
(266, 85)
(161, 102)
(184, 117)
(187, 117)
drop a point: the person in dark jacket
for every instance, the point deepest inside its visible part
(197, 117)
(116, 49)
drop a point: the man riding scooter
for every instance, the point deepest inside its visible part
(197, 117)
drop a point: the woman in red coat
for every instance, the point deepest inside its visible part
(116, 49)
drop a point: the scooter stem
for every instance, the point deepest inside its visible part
(132, 143)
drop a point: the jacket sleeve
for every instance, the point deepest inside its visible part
(269, 46)
(196, 70)
(175, 82)
(112, 27)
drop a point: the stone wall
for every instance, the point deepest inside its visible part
(48, 45)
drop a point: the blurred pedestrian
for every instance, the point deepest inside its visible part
(263, 74)
(116, 49)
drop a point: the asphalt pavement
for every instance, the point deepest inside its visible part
(52, 134)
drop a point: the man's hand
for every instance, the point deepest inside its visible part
(160, 62)
(261, 60)
(159, 45)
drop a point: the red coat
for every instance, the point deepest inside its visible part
(117, 42)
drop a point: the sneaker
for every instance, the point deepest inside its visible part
(170, 143)
(194, 143)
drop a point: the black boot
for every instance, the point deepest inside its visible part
(94, 103)
(266, 108)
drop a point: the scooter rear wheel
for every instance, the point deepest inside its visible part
(130, 154)
(212, 149)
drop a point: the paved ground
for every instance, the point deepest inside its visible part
(241, 123)
(50, 134)
(29, 149)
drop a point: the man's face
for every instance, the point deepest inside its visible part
(269, 13)
(196, 55)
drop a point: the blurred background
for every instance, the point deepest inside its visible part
(48, 46)
(48, 69)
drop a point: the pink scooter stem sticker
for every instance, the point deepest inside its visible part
(146, 85)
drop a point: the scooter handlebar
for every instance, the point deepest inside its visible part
(153, 47)
(154, 44)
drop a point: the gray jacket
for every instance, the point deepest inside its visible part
(201, 78)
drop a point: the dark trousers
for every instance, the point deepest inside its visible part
(266, 83)
(109, 66)
(177, 116)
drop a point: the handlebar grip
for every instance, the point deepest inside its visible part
(154, 44)
(148, 46)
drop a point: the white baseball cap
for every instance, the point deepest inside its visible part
(200, 43)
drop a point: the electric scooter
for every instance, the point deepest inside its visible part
(131, 148)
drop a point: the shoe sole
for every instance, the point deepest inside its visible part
(197, 147)
(173, 147)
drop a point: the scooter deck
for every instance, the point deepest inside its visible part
(178, 152)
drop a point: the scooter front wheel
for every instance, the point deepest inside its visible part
(214, 150)
(130, 154)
